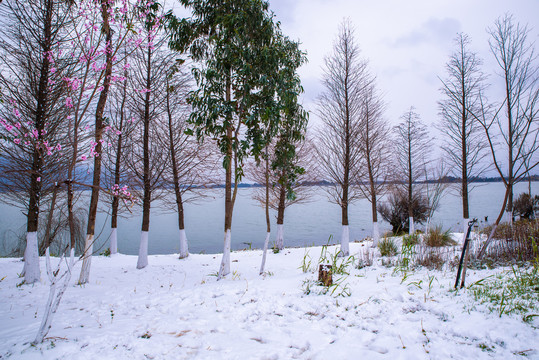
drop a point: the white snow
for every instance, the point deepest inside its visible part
(177, 309)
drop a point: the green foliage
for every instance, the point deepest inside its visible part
(515, 291)
(248, 86)
(407, 253)
(340, 268)
(388, 247)
(105, 252)
(437, 238)
(410, 240)
(306, 262)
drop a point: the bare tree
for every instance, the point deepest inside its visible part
(283, 187)
(375, 141)
(412, 149)
(466, 146)
(339, 148)
(193, 165)
(515, 118)
(32, 127)
(149, 160)
(117, 136)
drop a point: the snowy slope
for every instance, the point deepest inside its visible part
(176, 309)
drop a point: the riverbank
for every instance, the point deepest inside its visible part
(177, 309)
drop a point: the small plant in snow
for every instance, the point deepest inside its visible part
(306, 262)
(388, 247)
(407, 256)
(510, 292)
(340, 268)
(410, 240)
(105, 252)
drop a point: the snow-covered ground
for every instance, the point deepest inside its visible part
(176, 309)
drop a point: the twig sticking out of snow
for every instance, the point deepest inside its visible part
(57, 279)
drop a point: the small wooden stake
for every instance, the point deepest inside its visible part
(325, 275)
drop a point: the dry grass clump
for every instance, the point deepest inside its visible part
(437, 238)
(514, 243)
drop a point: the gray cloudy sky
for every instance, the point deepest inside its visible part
(407, 42)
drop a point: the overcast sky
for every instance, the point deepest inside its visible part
(407, 42)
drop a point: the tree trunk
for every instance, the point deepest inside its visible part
(184, 252)
(264, 252)
(92, 213)
(279, 240)
(495, 225)
(146, 202)
(345, 241)
(31, 254)
(224, 269)
(268, 223)
(117, 168)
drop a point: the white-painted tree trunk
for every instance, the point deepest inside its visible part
(264, 252)
(345, 241)
(375, 234)
(184, 250)
(114, 241)
(87, 259)
(279, 240)
(54, 299)
(31, 270)
(143, 251)
(412, 228)
(224, 269)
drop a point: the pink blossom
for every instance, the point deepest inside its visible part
(38, 179)
(84, 157)
(69, 102)
(17, 141)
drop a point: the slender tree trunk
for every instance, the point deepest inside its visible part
(117, 169)
(184, 252)
(345, 233)
(495, 225)
(279, 241)
(510, 141)
(47, 239)
(31, 269)
(92, 213)
(224, 268)
(411, 229)
(268, 223)
(146, 202)
(372, 185)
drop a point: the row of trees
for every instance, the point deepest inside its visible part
(360, 153)
(114, 100)
(101, 87)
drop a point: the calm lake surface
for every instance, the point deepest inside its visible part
(305, 224)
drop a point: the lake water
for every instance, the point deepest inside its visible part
(305, 224)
